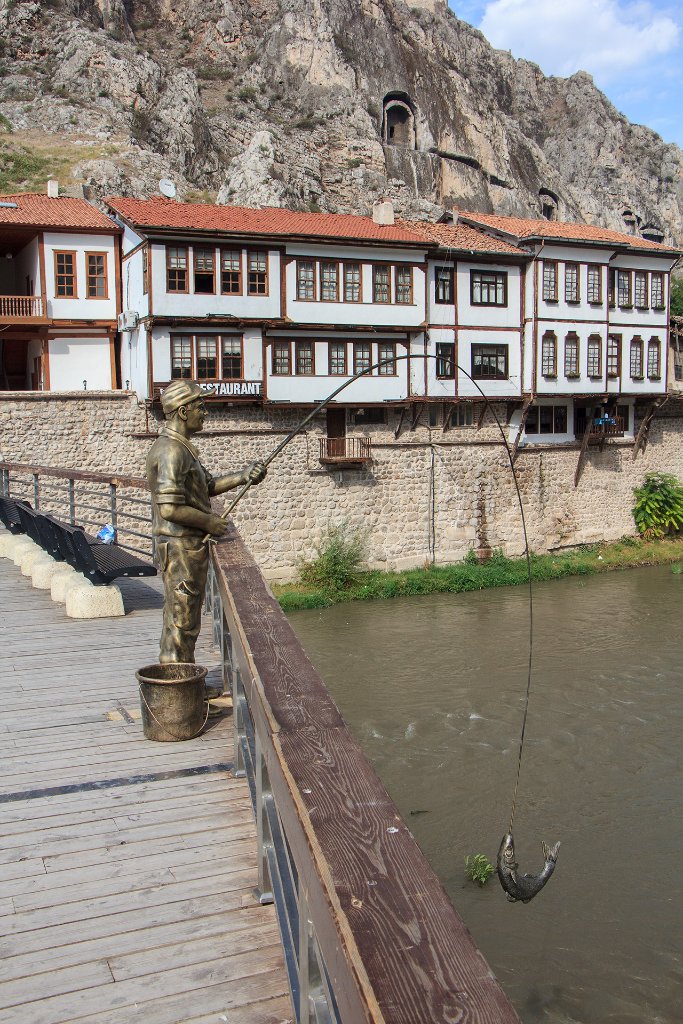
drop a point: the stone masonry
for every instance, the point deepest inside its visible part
(427, 494)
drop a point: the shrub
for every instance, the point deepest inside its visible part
(659, 505)
(248, 93)
(478, 868)
(338, 558)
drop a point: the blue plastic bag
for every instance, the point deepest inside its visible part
(107, 534)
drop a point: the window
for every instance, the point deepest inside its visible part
(624, 288)
(549, 355)
(613, 355)
(232, 358)
(387, 357)
(571, 282)
(546, 419)
(611, 286)
(145, 270)
(329, 281)
(203, 271)
(362, 356)
(65, 275)
(594, 284)
(381, 289)
(305, 280)
(303, 351)
(489, 362)
(637, 358)
(207, 357)
(257, 273)
(624, 414)
(640, 289)
(282, 358)
(445, 360)
(550, 280)
(353, 290)
(657, 290)
(443, 285)
(653, 363)
(181, 357)
(488, 288)
(96, 275)
(435, 414)
(571, 355)
(403, 282)
(231, 272)
(463, 415)
(176, 268)
(371, 415)
(594, 353)
(337, 358)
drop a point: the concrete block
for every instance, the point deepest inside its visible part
(43, 572)
(85, 601)
(18, 545)
(6, 544)
(62, 575)
(29, 559)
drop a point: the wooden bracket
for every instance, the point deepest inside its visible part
(417, 412)
(520, 430)
(397, 432)
(644, 429)
(582, 452)
(448, 417)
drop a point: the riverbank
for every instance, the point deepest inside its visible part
(498, 571)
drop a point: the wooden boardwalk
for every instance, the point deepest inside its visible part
(127, 867)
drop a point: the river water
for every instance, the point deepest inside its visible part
(433, 689)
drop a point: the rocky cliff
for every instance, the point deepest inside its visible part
(321, 104)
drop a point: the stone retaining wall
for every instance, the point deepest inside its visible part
(427, 494)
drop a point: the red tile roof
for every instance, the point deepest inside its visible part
(269, 221)
(523, 228)
(64, 213)
(463, 238)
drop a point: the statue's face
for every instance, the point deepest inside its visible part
(195, 414)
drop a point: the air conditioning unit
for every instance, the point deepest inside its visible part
(128, 321)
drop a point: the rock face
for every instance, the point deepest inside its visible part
(329, 104)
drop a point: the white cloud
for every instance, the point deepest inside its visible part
(607, 38)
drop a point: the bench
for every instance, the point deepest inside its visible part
(10, 514)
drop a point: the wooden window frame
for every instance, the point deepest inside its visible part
(176, 270)
(594, 343)
(337, 373)
(402, 267)
(534, 419)
(464, 411)
(654, 345)
(546, 291)
(450, 278)
(240, 272)
(502, 274)
(353, 263)
(643, 274)
(279, 373)
(256, 293)
(145, 270)
(611, 287)
(197, 338)
(637, 346)
(89, 276)
(441, 356)
(628, 276)
(613, 357)
(329, 263)
(74, 274)
(299, 263)
(659, 276)
(484, 345)
(356, 368)
(572, 338)
(386, 371)
(190, 337)
(297, 345)
(376, 267)
(231, 337)
(575, 299)
(549, 355)
(204, 273)
(592, 267)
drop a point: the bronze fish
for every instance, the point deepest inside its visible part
(522, 887)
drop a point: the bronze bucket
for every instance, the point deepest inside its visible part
(172, 701)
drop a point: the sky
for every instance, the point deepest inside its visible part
(633, 50)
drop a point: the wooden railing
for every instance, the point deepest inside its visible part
(21, 307)
(607, 426)
(345, 449)
(369, 934)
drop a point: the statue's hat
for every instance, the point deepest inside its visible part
(179, 393)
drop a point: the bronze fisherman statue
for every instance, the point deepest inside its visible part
(181, 490)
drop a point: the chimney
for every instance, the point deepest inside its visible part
(53, 188)
(383, 212)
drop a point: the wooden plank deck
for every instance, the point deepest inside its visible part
(127, 867)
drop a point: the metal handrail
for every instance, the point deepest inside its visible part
(369, 935)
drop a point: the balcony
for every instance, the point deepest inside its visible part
(22, 309)
(603, 428)
(345, 451)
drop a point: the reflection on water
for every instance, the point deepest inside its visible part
(433, 687)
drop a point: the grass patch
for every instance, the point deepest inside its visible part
(499, 571)
(28, 159)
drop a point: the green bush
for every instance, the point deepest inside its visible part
(659, 505)
(478, 868)
(338, 558)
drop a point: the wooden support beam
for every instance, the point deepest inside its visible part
(644, 429)
(448, 417)
(582, 452)
(417, 412)
(481, 415)
(520, 429)
(397, 432)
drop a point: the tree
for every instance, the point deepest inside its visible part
(677, 296)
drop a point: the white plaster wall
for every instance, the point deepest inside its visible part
(129, 239)
(80, 308)
(252, 350)
(491, 388)
(134, 361)
(488, 316)
(73, 360)
(132, 297)
(27, 264)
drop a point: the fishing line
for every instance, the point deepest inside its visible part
(322, 405)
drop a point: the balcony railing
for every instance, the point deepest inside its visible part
(605, 427)
(345, 449)
(22, 307)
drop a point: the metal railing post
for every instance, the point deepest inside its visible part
(36, 492)
(264, 838)
(72, 501)
(314, 1004)
(112, 507)
(4, 478)
(239, 710)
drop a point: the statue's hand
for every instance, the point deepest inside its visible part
(217, 525)
(255, 473)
